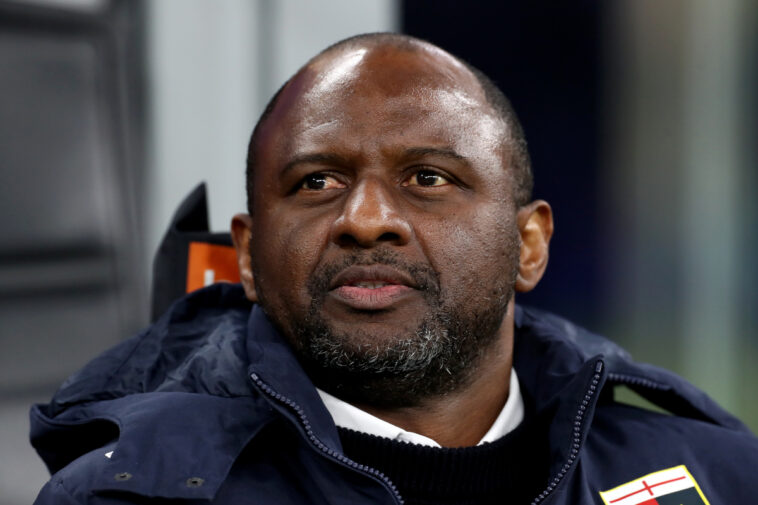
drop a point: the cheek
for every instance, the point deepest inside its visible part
(288, 251)
(475, 253)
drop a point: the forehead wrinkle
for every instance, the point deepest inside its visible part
(319, 125)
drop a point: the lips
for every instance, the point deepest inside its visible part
(371, 287)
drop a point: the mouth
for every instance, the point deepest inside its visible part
(371, 284)
(371, 287)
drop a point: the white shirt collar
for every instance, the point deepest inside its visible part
(349, 416)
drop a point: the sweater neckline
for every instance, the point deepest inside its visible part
(511, 469)
(349, 416)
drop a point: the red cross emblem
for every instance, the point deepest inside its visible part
(672, 486)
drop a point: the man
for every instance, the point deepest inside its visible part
(384, 360)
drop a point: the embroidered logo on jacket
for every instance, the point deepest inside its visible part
(673, 486)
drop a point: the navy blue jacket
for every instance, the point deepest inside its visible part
(209, 404)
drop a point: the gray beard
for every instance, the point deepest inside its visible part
(437, 358)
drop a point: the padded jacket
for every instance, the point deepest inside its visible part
(209, 405)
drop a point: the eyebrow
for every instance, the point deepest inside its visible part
(419, 152)
(335, 159)
(316, 159)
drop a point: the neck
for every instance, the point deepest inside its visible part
(461, 418)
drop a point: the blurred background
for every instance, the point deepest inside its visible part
(642, 119)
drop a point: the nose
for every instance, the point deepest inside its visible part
(370, 217)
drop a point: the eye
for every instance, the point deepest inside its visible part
(426, 178)
(320, 181)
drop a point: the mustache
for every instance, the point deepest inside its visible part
(424, 276)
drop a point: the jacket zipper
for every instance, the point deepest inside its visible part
(634, 380)
(576, 442)
(323, 448)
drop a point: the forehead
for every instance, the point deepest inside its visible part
(382, 94)
(389, 70)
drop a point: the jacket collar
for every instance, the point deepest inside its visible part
(282, 381)
(561, 366)
(563, 383)
(554, 374)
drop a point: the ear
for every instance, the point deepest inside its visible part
(535, 223)
(242, 232)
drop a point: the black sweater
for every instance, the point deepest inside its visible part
(511, 470)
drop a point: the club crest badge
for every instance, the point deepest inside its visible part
(673, 486)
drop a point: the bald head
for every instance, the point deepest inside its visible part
(428, 66)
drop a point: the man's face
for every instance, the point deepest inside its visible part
(384, 238)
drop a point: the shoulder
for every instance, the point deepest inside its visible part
(550, 345)
(157, 450)
(641, 430)
(627, 442)
(193, 359)
(197, 346)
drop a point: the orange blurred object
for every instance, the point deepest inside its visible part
(210, 263)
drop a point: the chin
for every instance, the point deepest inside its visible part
(374, 334)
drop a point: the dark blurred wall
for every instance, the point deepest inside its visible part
(71, 167)
(71, 137)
